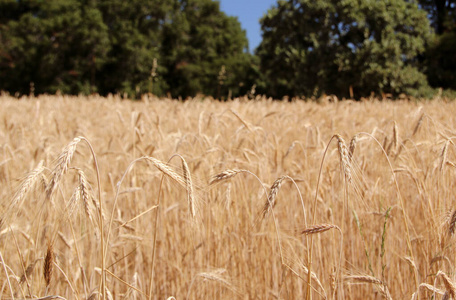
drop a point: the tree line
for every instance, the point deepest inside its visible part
(181, 48)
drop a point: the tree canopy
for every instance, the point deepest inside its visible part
(109, 46)
(185, 47)
(327, 46)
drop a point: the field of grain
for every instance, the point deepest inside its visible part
(161, 199)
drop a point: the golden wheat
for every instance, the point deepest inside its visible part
(151, 250)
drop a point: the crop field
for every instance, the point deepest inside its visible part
(104, 198)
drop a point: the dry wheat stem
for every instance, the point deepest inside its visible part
(22, 264)
(401, 200)
(126, 283)
(7, 275)
(343, 153)
(314, 276)
(67, 280)
(160, 166)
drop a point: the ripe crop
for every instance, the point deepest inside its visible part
(244, 199)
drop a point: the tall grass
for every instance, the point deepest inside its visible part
(103, 198)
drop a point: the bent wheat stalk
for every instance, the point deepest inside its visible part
(345, 163)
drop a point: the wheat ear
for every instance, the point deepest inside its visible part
(225, 175)
(48, 264)
(452, 223)
(448, 283)
(63, 163)
(372, 280)
(344, 157)
(27, 184)
(318, 229)
(443, 155)
(425, 286)
(273, 191)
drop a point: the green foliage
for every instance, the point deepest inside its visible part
(135, 37)
(57, 45)
(442, 14)
(440, 57)
(189, 47)
(199, 42)
(328, 46)
(441, 61)
(114, 46)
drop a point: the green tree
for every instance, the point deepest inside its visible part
(134, 29)
(183, 47)
(205, 51)
(57, 45)
(312, 47)
(440, 57)
(442, 14)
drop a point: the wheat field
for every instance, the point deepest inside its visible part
(104, 198)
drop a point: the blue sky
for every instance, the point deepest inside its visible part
(249, 13)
